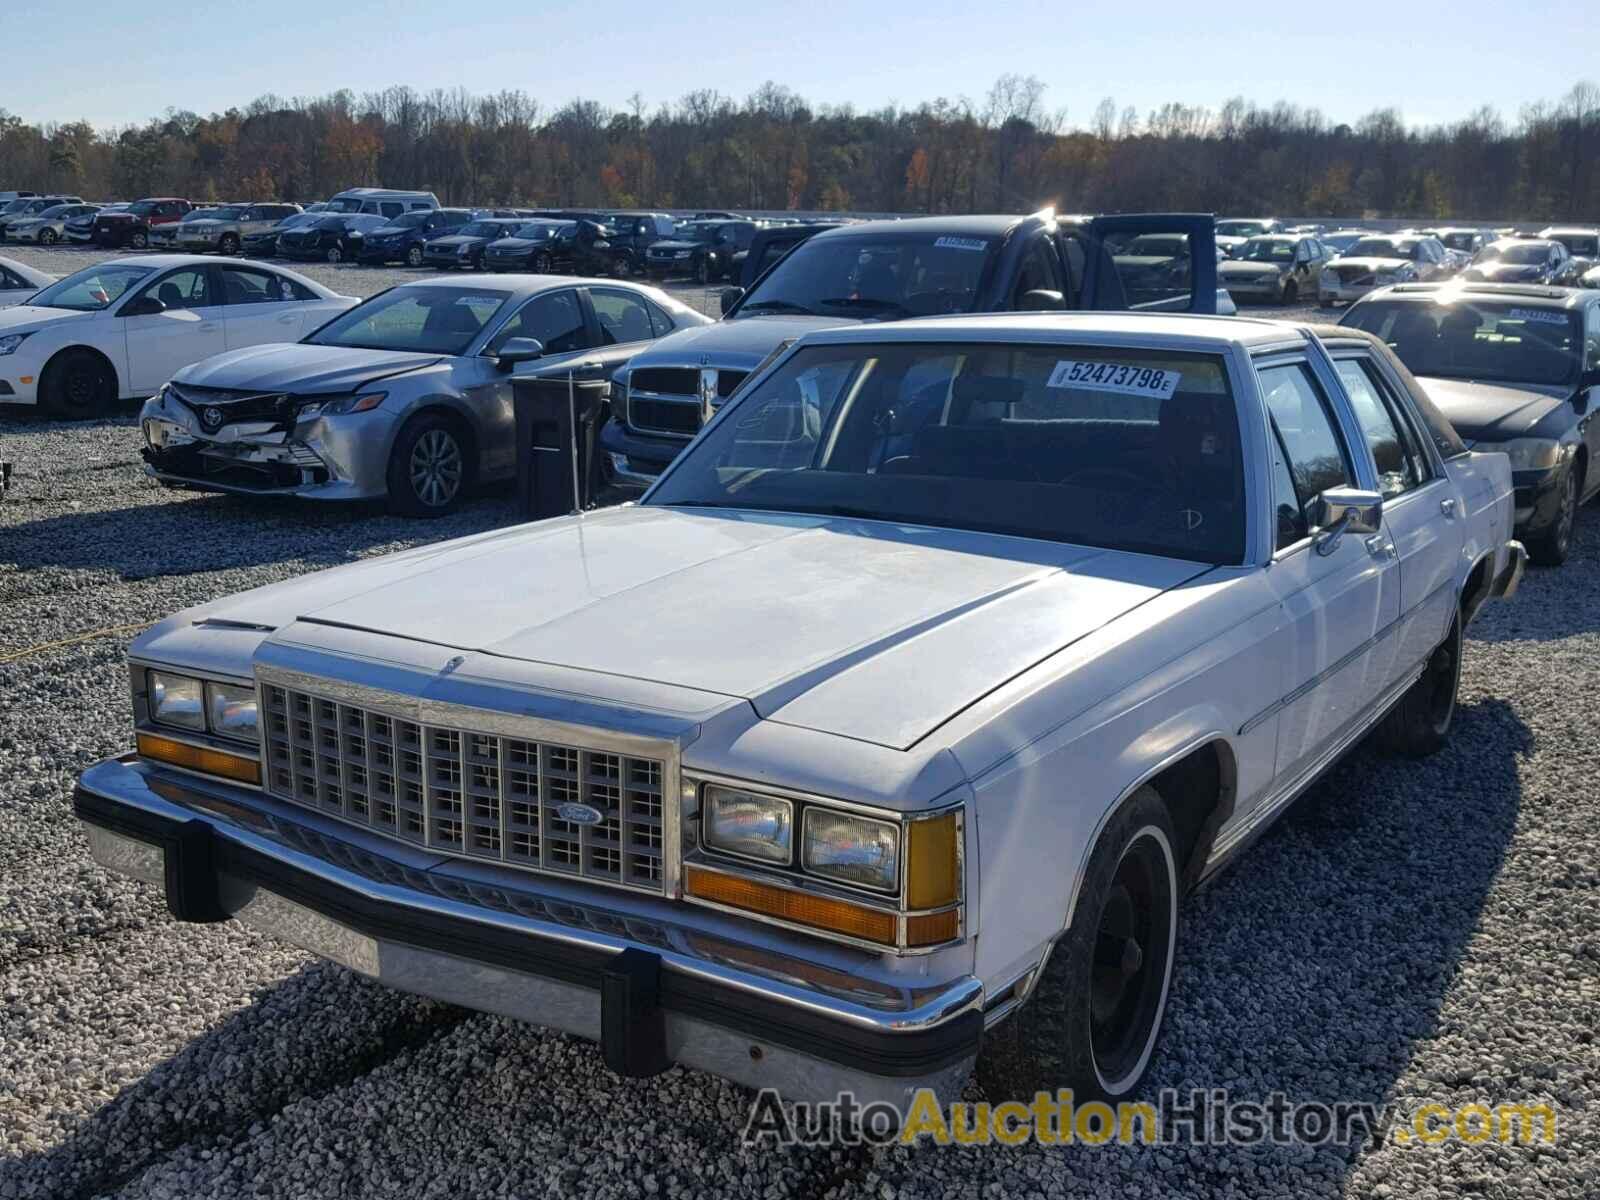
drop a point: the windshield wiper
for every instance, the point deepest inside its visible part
(880, 306)
(778, 306)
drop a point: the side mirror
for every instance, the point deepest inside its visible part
(730, 297)
(1041, 300)
(143, 306)
(518, 350)
(1339, 511)
(1589, 379)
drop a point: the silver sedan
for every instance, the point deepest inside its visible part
(406, 397)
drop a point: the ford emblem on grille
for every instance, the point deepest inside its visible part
(211, 418)
(580, 814)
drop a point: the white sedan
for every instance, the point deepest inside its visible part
(19, 281)
(120, 329)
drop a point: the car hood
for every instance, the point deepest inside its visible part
(1493, 410)
(26, 318)
(1506, 272)
(1249, 266)
(870, 631)
(300, 368)
(739, 342)
(1373, 264)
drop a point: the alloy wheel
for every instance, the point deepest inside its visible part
(435, 468)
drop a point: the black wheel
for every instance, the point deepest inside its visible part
(541, 263)
(414, 256)
(1419, 725)
(334, 254)
(429, 469)
(228, 243)
(702, 272)
(1092, 1021)
(77, 385)
(1291, 292)
(622, 267)
(138, 239)
(1551, 545)
(47, 236)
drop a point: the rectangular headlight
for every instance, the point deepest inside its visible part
(177, 700)
(855, 850)
(232, 712)
(749, 825)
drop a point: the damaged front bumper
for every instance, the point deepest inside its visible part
(652, 982)
(321, 459)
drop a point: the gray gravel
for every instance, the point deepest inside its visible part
(1411, 932)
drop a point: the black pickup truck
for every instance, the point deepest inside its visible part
(702, 249)
(887, 271)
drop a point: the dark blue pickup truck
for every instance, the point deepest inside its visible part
(889, 271)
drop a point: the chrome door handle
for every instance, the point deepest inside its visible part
(1380, 547)
(1448, 507)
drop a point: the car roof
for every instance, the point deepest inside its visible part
(1212, 332)
(1532, 295)
(1555, 230)
(992, 225)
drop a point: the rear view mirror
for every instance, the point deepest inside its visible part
(1338, 511)
(518, 350)
(144, 306)
(730, 297)
(1041, 300)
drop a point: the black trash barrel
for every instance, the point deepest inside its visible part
(558, 424)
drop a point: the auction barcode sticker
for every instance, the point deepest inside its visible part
(1547, 316)
(961, 243)
(1115, 377)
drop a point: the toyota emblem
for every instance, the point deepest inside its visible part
(211, 418)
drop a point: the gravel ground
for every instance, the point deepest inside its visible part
(1411, 932)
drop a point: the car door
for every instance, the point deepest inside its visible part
(1102, 286)
(1423, 510)
(559, 321)
(189, 327)
(259, 306)
(1339, 596)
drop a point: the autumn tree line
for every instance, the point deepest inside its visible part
(776, 151)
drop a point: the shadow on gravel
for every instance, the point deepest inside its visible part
(210, 533)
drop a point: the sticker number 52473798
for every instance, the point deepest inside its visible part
(1115, 377)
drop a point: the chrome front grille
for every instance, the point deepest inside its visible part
(478, 795)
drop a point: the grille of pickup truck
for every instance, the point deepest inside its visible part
(476, 795)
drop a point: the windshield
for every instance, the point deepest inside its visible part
(886, 276)
(424, 319)
(1581, 244)
(1516, 253)
(142, 208)
(1128, 449)
(483, 229)
(1458, 240)
(15, 206)
(695, 233)
(231, 212)
(1266, 250)
(347, 205)
(1493, 341)
(92, 288)
(299, 219)
(410, 220)
(1377, 248)
(56, 210)
(1341, 241)
(1240, 228)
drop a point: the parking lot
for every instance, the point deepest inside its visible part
(1413, 932)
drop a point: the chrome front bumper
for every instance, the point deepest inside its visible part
(652, 982)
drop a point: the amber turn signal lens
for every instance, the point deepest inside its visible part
(199, 758)
(819, 912)
(929, 929)
(932, 875)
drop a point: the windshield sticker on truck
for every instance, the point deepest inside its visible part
(1542, 315)
(1114, 377)
(960, 243)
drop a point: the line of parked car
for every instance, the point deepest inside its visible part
(1267, 262)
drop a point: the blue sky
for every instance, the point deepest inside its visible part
(121, 64)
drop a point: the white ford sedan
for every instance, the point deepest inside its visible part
(120, 329)
(886, 734)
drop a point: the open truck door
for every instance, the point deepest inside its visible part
(1163, 262)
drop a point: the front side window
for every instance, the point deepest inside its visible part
(1306, 439)
(423, 319)
(188, 288)
(1127, 449)
(1485, 340)
(553, 318)
(92, 288)
(1400, 465)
